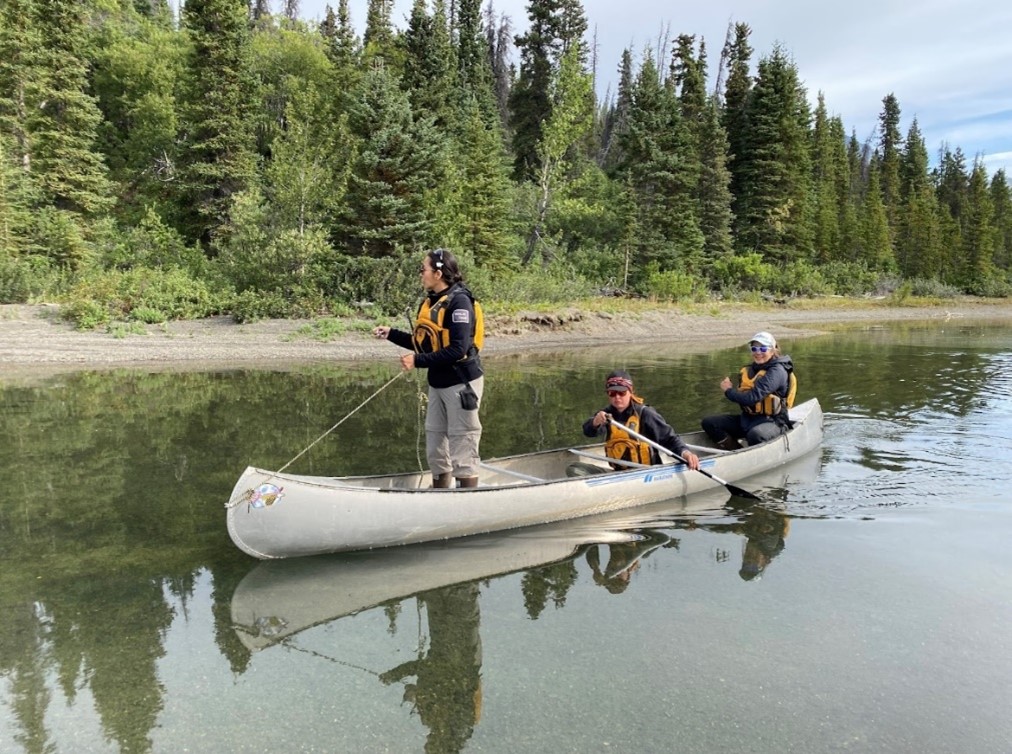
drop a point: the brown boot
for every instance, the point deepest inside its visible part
(728, 443)
(467, 481)
(441, 481)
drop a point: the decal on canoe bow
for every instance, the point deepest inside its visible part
(265, 495)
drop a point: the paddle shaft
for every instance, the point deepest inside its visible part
(730, 487)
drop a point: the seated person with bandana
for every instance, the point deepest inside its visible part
(766, 389)
(629, 409)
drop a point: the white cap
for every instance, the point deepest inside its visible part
(764, 339)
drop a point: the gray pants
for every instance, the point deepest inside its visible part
(452, 435)
(754, 429)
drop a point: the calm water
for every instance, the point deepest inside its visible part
(864, 606)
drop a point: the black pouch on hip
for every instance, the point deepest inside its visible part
(468, 398)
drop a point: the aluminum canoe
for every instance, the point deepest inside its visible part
(280, 515)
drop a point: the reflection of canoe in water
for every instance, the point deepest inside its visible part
(280, 598)
(277, 599)
(275, 515)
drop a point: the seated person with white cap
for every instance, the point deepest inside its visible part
(765, 391)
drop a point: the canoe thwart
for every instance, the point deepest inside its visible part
(617, 461)
(510, 472)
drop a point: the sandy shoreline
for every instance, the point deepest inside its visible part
(33, 340)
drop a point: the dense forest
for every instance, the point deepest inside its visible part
(237, 159)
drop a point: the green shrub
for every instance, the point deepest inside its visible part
(148, 315)
(559, 283)
(743, 272)
(150, 243)
(672, 285)
(252, 306)
(927, 288)
(850, 278)
(25, 278)
(801, 279)
(159, 295)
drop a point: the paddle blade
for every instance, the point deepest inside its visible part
(739, 492)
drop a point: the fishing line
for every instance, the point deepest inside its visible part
(235, 501)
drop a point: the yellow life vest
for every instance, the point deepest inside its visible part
(771, 405)
(430, 335)
(623, 446)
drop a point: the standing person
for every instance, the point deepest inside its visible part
(765, 391)
(447, 336)
(629, 409)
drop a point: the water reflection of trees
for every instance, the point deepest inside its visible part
(114, 484)
(446, 693)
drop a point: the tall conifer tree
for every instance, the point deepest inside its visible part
(398, 163)
(978, 234)
(890, 147)
(429, 75)
(218, 147)
(1001, 201)
(668, 236)
(65, 119)
(530, 100)
(737, 57)
(500, 44)
(775, 203)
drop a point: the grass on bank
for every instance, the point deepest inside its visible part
(357, 295)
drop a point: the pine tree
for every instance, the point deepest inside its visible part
(978, 235)
(774, 167)
(890, 148)
(952, 186)
(16, 204)
(218, 154)
(688, 76)
(500, 43)
(136, 74)
(481, 222)
(826, 167)
(398, 163)
(429, 76)
(875, 244)
(714, 196)
(555, 27)
(472, 49)
(568, 125)
(342, 44)
(918, 240)
(616, 122)
(530, 101)
(22, 77)
(738, 55)
(1001, 201)
(259, 9)
(378, 40)
(64, 120)
(668, 236)
(344, 50)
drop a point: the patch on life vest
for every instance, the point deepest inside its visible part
(461, 315)
(265, 495)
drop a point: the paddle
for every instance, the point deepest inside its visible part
(737, 491)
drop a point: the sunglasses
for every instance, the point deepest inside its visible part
(423, 269)
(760, 349)
(616, 393)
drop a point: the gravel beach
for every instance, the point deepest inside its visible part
(34, 340)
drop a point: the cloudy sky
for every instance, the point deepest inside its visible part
(948, 63)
